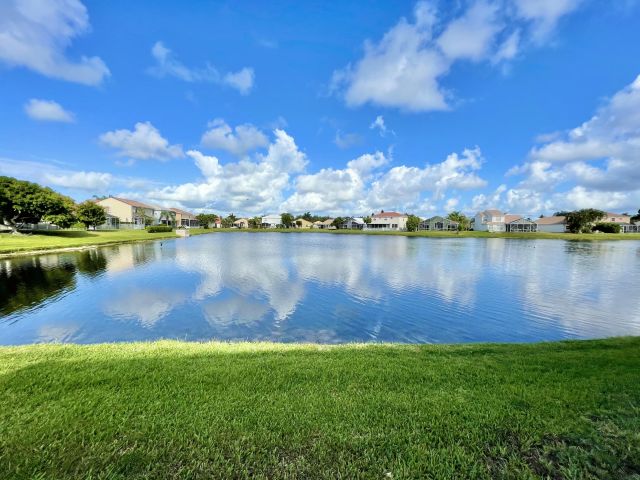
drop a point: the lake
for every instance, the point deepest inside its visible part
(324, 288)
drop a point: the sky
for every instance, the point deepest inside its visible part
(337, 108)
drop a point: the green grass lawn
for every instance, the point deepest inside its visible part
(211, 410)
(77, 238)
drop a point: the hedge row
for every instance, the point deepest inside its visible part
(159, 228)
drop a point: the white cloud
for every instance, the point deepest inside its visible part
(347, 140)
(471, 35)
(379, 124)
(80, 182)
(238, 141)
(405, 69)
(545, 14)
(599, 159)
(35, 34)
(90, 181)
(242, 80)
(48, 111)
(168, 65)
(143, 143)
(248, 186)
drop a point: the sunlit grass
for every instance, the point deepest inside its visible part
(68, 239)
(227, 410)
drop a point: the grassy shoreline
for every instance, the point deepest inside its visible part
(12, 245)
(51, 241)
(245, 410)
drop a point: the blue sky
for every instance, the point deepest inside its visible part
(530, 106)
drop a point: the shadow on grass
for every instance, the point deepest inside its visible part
(64, 233)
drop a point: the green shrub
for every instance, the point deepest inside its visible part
(607, 228)
(159, 228)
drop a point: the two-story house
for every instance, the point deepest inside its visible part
(388, 221)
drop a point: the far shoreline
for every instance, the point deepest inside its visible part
(137, 236)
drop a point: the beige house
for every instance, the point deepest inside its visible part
(616, 218)
(553, 224)
(129, 212)
(490, 221)
(389, 221)
(184, 218)
(325, 225)
(302, 223)
(241, 223)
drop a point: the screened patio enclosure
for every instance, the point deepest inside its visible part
(522, 225)
(438, 224)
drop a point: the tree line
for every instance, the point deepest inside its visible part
(24, 202)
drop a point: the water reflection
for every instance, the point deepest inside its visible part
(324, 288)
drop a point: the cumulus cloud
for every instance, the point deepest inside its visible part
(168, 65)
(599, 159)
(47, 111)
(252, 185)
(36, 35)
(90, 181)
(144, 142)
(405, 69)
(238, 141)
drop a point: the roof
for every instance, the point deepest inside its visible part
(184, 213)
(438, 218)
(388, 214)
(493, 212)
(328, 221)
(241, 220)
(133, 203)
(554, 220)
(511, 218)
(609, 214)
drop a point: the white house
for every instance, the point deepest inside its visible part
(555, 224)
(354, 223)
(388, 221)
(490, 221)
(272, 221)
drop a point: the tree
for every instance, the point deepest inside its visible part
(206, 219)
(413, 223)
(367, 219)
(22, 202)
(307, 216)
(227, 222)
(287, 220)
(561, 213)
(255, 222)
(581, 221)
(463, 221)
(337, 222)
(90, 214)
(636, 218)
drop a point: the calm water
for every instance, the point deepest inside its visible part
(324, 288)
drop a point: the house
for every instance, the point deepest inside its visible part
(520, 224)
(317, 224)
(130, 213)
(241, 223)
(438, 224)
(184, 218)
(272, 221)
(388, 221)
(327, 224)
(554, 224)
(353, 223)
(302, 223)
(489, 221)
(616, 218)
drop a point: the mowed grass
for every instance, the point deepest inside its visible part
(76, 238)
(215, 410)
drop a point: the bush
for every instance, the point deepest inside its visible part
(159, 229)
(607, 228)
